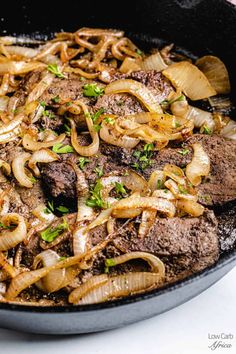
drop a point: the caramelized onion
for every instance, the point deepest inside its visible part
(41, 86)
(154, 62)
(152, 203)
(118, 286)
(135, 88)
(229, 131)
(80, 240)
(18, 169)
(215, 71)
(30, 143)
(189, 79)
(9, 239)
(200, 118)
(175, 173)
(147, 220)
(108, 135)
(19, 67)
(5, 166)
(199, 166)
(190, 207)
(129, 65)
(6, 128)
(41, 156)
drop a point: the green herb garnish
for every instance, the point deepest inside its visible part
(56, 99)
(6, 227)
(206, 130)
(98, 171)
(53, 68)
(67, 129)
(139, 52)
(96, 115)
(63, 209)
(50, 233)
(182, 190)
(95, 200)
(62, 149)
(143, 157)
(159, 184)
(50, 208)
(120, 189)
(183, 152)
(82, 162)
(92, 90)
(109, 120)
(97, 127)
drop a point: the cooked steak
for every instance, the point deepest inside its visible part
(59, 179)
(124, 104)
(191, 242)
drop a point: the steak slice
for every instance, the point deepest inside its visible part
(123, 104)
(59, 180)
(217, 188)
(186, 245)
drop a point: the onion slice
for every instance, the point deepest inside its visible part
(42, 156)
(215, 71)
(135, 88)
(153, 203)
(154, 62)
(190, 207)
(18, 169)
(19, 67)
(30, 144)
(118, 286)
(199, 166)
(10, 239)
(200, 118)
(189, 79)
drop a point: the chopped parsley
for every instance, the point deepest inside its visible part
(50, 208)
(183, 152)
(6, 227)
(97, 127)
(139, 52)
(63, 209)
(33, 179)
(98, 171)
(182, 190)
(92, 90)
(53, 68)
(82, 162)
(50, 233)
(109, 120)
(143, 157)
(43, 104)
(62, 258)
(95, 200)
(56, 99)
(206, 130)
(96, 115)
(67, 129)
(109, 262)
(177, 124)
(120, 190)
(159, 184)
(46, 112)
(62, 149)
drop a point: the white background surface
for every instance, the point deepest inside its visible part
(183, 330)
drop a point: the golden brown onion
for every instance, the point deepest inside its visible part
(190, 207)
(189, 79)
(199, 166)
(215, 71)
(135, 88)
(19, 171)
(8, 238)
(41, 156)
(19, 67)
(30, 143)
(154, 62)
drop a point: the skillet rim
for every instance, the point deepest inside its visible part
(226, 259)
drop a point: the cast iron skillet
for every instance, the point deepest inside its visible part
(197, 25)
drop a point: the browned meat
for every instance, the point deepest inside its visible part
(123, 104)
(227, 227)
(27, 85)
(218, 188)
(186, 244)
(59, 179)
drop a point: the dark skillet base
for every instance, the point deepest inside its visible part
(200, 26)
(95, 318)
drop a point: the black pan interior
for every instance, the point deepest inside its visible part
(199, 26)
